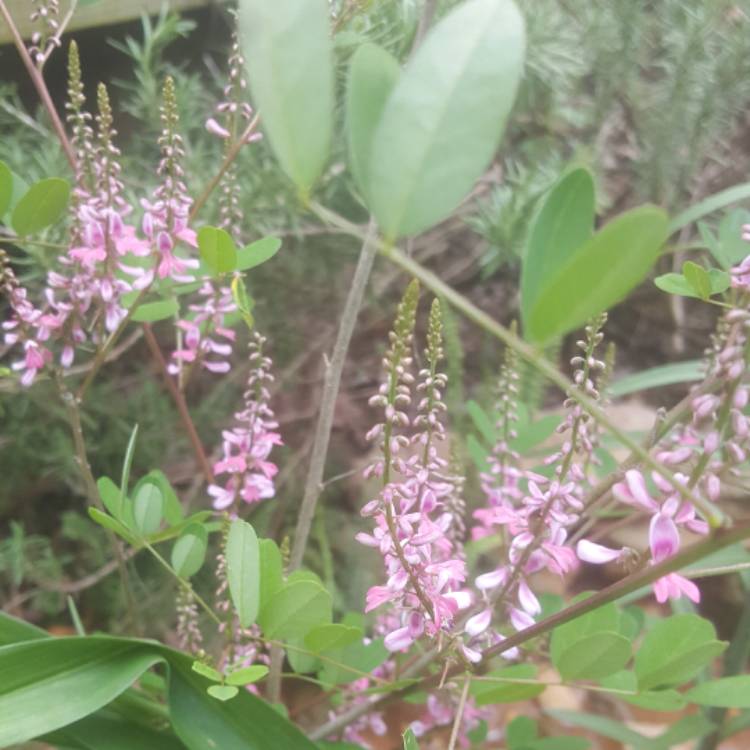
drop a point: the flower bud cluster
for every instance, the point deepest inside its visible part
(533, 520)
(412, 526)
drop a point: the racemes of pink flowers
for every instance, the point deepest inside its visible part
(425, 572)
(207, 340)
(711, 446)
(532, 514)
(245, 469)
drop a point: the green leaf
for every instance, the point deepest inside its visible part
(332, 636)
(42, 205)
(372, 75)
(410, 740)
(301, 661)
(482, 421)
(563, 223)
(223, 692)
(651, 700)
(730, 248)
(717, 281)
(532, 434)
(247, 675)
(148, 508)
(713, 203)
(128, 462)
(70, 678)
(444, 118)
(727, 692)
(208, 672)
(675, 650)
(594, 656)
(112, 524)
(217, 250)
(6, 188)
(520, 732)
(679, 372)
(602, 619)
(106, 729)
(287, 45)
(172, 508)
(487, 692)
(151, 312)
(243, 571)
(295, 610)
(257, 252)
(174, 531)
(271, 567)
(599, 274)
(360, 657)
(189, 551)
(110, 495)
(76, 676)
(698, 278)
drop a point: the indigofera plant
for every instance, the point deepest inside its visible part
(460, 569)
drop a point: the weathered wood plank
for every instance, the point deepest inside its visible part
(98, 13)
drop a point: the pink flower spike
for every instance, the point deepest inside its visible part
(597, 554)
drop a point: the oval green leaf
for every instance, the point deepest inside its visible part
(373, 73)
(594, 656)
(287, 46)
(223, 692)
(189, 550)
(295, 610)
(727, 692)
(151, 312)
(599, 274)
(243, 571)
(247, 675)
(42, 205)
(445, 116)
(257, 252)
(217, 250)
(332, 636)
(507, 685)
(563, 223)
(675, 650)
(148, 508)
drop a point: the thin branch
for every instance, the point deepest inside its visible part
(459, 713)
(179, 401)
(331, 386)
(39, 84)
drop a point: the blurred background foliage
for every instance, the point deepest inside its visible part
(652, 95)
